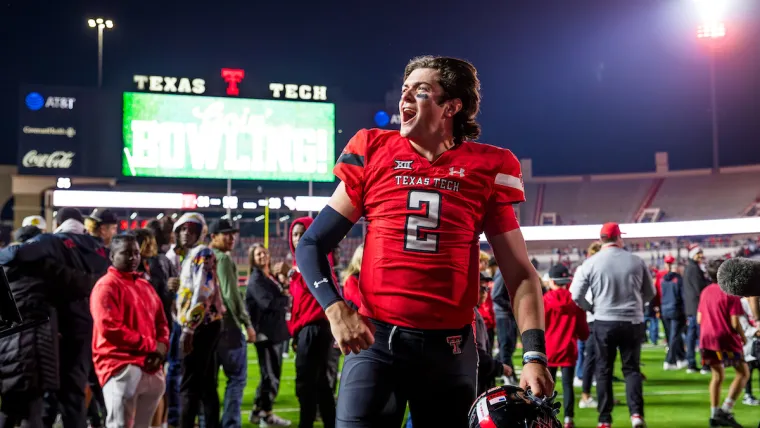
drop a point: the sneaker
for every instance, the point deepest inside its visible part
(604, 425)
(274, 421)
(578, 383)
(691, 370)
(750, 400)
(682, 364)
(637, 421)
(568, 423)
(255, 417)
(667, 366)
(588, 404)
(705, 372)
(724, 419)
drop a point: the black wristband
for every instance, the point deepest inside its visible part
(533, 340)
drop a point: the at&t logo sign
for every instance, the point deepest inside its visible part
(35, 101)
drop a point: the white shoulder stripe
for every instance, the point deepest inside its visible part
(509, 181)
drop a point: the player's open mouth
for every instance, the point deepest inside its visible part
(408, 114)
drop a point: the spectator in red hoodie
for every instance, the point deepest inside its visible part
(565, 325)
(351, 279)
(130, 338)
(312, 341)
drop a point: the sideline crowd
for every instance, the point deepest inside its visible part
(142, 322)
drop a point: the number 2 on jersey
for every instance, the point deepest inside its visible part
(418, 228)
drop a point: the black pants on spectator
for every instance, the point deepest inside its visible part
(753, 366)
(96, 412)
(270, 369)
(610, 336)
(568, 394)
(332, 368)
(69, 400)
(313, 387)
(506, 329)
(676, 329)
(589, 361)
(21, 409)
(200, 371)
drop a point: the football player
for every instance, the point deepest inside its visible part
(428, 193)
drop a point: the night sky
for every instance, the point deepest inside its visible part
(579, 86)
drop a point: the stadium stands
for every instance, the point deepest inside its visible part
(681, 195)
(531, 207)
(701, 197)
(591, 202)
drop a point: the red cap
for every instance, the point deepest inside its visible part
(669, 259)
(610, 231)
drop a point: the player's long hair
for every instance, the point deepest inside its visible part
(355, 266)
(459, 79)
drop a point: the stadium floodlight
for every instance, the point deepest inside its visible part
(711, 14)
(100, 24)
(714, 30)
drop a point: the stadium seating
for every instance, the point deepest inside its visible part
(529, 208)
(702, 197)
(591, 202)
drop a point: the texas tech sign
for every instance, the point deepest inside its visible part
(229, 80)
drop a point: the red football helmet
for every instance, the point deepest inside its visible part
(512, 407)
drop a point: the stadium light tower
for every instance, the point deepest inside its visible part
(712, 30)
(101, 24)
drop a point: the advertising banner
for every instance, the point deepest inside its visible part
(186, 136)
(51, 130)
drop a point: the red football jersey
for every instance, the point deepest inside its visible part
(420, 265)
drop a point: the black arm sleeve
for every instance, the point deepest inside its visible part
(328, 229)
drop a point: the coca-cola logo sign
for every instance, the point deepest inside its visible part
(58, 159)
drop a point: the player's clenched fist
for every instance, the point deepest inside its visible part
(537, 377)
(349, 328)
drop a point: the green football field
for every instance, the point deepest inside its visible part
(673, 399)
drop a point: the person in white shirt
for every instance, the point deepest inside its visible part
(751, 350)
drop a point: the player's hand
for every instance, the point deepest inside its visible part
(507, 370)
(250, 334)
(186, 342)
(349, 329)
(537, 377)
